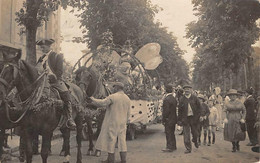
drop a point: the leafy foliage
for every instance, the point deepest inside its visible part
(35, 12)
(30, 17)
(223, 35)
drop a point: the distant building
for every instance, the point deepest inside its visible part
(11, 41)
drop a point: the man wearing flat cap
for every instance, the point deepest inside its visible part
(189, 115)
(53, 63)
(169, 119)
(114, 124)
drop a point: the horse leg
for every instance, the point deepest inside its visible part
(22, 147)
(49, 151)
(66, 142)
(100, 119)
(46, 143)
(90, 135)
(35, 144)
(1, 143)
(79, 122)
(62, 152)
(29, 151)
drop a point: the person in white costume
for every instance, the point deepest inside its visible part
(115, 122)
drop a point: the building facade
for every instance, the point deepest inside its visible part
(11, 40)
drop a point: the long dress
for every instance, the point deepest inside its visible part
(235, 112)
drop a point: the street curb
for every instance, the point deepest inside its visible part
(16, 149)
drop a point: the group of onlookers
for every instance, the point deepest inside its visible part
(198, 113)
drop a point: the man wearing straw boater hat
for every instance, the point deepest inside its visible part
(189, 115)
(114, 124)
(53, 63)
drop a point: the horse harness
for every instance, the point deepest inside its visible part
(31, 101)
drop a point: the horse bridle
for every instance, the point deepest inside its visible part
(15, 73)
(84, 83)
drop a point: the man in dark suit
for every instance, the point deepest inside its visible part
(53, 63)
(189, 114)
(251, 113)
(169, 119)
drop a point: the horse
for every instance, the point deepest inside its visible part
(4, 122)
(91, 82)
(41, 114)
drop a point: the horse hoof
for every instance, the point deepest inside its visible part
(21, 159)
(98, 154)
(62, 153)
(90, 152)
(66, 159)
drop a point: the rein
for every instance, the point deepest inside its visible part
(35, 91)
(30, 102)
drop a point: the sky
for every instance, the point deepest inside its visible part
(175, 15)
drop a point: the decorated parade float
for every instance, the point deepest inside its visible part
(115, 64)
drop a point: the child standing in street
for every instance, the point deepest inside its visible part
(204, 121)
(213, 121)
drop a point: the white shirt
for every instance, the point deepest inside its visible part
(190, 112)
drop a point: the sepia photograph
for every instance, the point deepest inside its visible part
(129, 81)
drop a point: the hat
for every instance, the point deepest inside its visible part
(201, 97)
(45, 42)
(118, 84)
(250, 91)
(232, 92)
(168, 88)
(11, 56)
(240, 92)
(187, 86)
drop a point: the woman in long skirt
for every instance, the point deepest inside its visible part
(235, 114)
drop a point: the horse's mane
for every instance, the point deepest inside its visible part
(30, 69)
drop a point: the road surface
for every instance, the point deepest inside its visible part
(147, 149)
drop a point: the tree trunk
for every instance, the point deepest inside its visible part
(31, 45)
(231, 80)
(245, 76)
(250, 71)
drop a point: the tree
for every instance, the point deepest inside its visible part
(131, 22)
(31, 16)
(223, 35)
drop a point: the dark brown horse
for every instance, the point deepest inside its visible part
(91, 82)
(42, 113)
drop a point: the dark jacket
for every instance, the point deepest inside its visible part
(250, 105)
(169, 114)
(55, 62)
(204, 110)
(183, 109)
